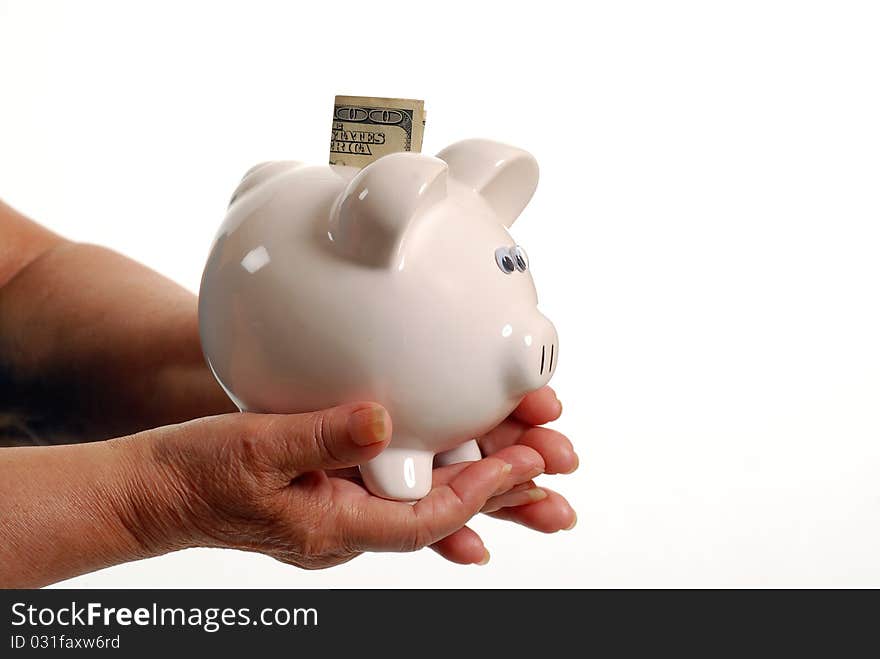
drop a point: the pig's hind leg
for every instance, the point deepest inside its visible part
(467, 452)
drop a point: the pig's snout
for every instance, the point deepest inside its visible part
(536, 354)
(550, 358)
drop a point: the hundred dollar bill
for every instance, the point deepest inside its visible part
(366, 128)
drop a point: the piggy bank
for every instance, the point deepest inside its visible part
(397, 283)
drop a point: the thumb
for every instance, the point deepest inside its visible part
(335, 438)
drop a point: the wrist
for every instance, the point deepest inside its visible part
(72, 509)
(150, 504)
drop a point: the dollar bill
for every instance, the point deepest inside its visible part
(366, 128)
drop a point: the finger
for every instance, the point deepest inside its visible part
(520, 495)
(526, 463)
(555, 448)
(375, 524)
(539, 407)
(464, 547)
(549, 515)
(329, 439)
(504, 434)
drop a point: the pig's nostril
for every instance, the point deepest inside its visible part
(543, 348)
(552, 348)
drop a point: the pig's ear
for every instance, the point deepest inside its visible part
(370, 219)
(504, 175)
(258, 174)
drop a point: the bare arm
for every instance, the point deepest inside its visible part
(92, 344)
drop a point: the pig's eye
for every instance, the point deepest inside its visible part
(504, 259)
(520, 260)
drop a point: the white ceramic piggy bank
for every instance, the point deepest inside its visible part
(397, 283)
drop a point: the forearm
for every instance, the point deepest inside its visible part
(68, 510)
(94, 345)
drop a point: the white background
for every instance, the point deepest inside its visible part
(705, 237)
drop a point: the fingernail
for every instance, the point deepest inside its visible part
(514, 498)
(502, 486)
(577, 462)
(536, 494)
(368, 426)
(486, 558)
(573, 523)
(559, 403)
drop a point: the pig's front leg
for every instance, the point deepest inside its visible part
(399, 473)
(467, 452)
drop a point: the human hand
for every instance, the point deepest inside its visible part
(266, 483)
